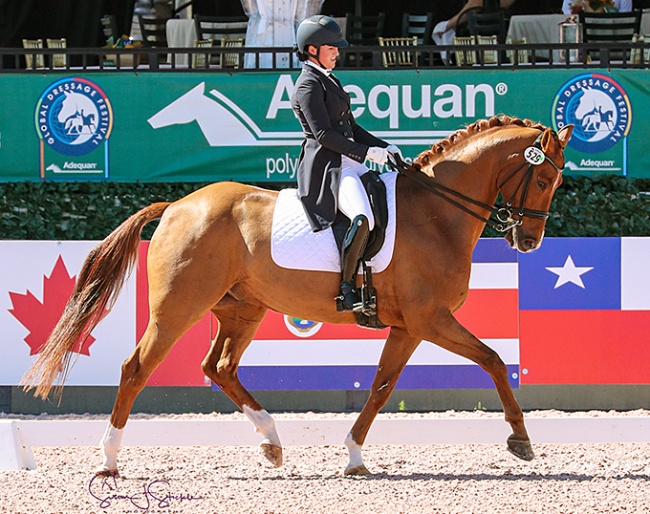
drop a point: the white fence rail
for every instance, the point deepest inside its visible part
(18, 436)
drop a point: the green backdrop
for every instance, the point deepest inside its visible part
(159, 127)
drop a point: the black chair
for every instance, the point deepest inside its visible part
(487, 28)
(363, 31)
(154, 33)
(109, 27)
(487, 24)
(420, 26)
(218, 28)
(615, 27)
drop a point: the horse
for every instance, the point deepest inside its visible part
(74, 124)
(211, 252)
(88, 121)
(71, 114)
(590, 111)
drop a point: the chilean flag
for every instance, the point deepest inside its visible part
(294, 354)
(585, 311)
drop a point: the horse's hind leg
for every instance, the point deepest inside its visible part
(159, 338)
(238, 322)
(398, 349)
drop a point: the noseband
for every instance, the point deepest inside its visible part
(533, 155)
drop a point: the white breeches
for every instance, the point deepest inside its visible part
(353, 199)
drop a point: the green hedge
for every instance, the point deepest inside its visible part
(598, 206)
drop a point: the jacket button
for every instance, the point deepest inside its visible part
(340, 122)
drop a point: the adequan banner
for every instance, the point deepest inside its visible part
(209, 127)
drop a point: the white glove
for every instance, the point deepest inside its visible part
(377, 154)
(392, 149)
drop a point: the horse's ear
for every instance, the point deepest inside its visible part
(547, 140)
(565, 134)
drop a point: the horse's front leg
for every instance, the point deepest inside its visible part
(451, 335)
(398, 349)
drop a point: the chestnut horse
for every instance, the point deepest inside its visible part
(211, 252)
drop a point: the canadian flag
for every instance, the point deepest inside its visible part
(36, 280)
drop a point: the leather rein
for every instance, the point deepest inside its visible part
(504, 221)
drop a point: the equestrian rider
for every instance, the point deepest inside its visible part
(334, 150)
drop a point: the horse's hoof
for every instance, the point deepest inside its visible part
(520, 448)
(272, 453)
(356, 471)
(103, 472)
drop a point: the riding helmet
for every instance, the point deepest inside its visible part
(317, 31)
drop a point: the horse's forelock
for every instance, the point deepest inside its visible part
(427, 157)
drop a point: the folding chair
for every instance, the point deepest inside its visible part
(464, 57)
(231, 59)
(201, 60)
(34, 60)
(58, 60)
(398, 58)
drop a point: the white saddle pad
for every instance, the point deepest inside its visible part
(295, 246)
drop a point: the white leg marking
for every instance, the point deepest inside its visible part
(355, 452)
(111, 443)
(264, 424)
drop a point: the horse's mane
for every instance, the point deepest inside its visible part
(428, 157)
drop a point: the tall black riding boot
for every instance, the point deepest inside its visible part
(353, 248)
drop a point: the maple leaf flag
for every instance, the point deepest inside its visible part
(39, 317)
(36, 280)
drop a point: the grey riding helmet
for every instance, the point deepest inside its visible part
(319, 30)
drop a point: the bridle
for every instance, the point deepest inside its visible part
(533, 155)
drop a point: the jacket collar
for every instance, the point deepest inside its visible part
(329, 81)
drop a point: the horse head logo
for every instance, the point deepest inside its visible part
(222, 122)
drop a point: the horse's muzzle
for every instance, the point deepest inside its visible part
(520, 240)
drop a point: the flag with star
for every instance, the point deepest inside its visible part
(585, 311)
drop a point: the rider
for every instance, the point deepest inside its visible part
(335, 149)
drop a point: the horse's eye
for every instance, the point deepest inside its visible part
(541, 184)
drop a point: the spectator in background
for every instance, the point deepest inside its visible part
(621, 5)
(444, 32)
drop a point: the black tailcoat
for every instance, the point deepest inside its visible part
(323, 109)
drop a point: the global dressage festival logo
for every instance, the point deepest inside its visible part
(599, 108)
(302, 327)
(73, 116)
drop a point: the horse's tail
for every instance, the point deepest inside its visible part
(101, 277)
